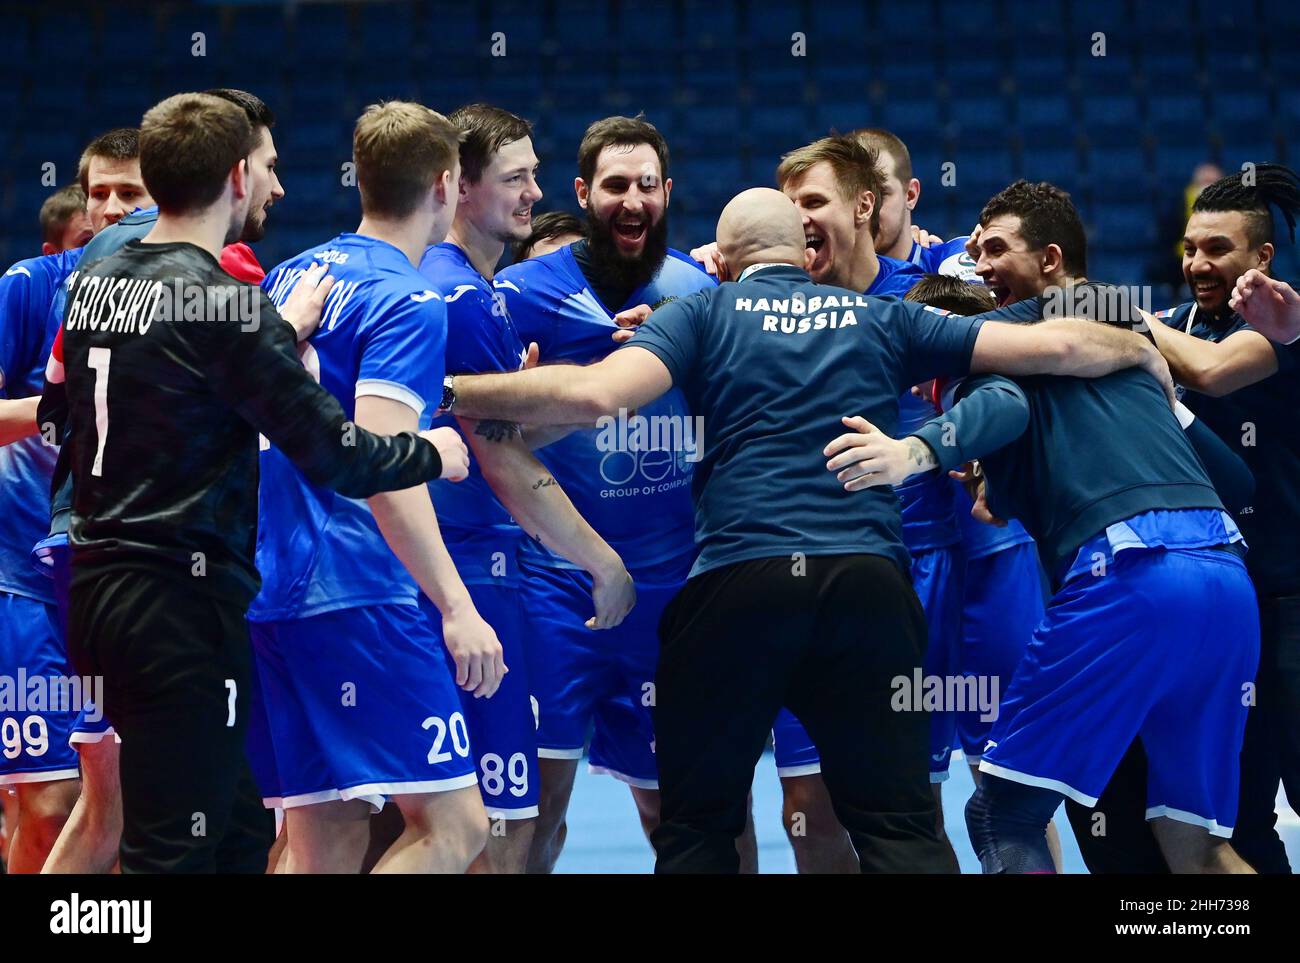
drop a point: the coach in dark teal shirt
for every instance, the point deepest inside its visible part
(800, 597)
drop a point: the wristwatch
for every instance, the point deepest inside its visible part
(448, 395)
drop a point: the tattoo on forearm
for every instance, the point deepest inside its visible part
(546, 482)
(920, 455)
(498, 430)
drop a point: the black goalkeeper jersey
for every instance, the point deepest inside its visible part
(172, 368)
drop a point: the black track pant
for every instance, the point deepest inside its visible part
(824, 636)
(175, 664)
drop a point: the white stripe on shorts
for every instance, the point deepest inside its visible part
(1083, 799)
(1183, 816)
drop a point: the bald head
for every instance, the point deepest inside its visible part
(760, 225)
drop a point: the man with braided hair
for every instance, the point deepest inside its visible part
(1246, 388)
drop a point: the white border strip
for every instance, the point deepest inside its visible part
(807, 769)
(50, 775)
(559, 753)
(1183, 816)
(376, 388)
(1082, 799)
(495, 812)
(623, 777)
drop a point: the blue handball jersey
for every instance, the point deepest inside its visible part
(481, 338)
(27, 331)
(382, 333)
(638, 500)
(926, 504)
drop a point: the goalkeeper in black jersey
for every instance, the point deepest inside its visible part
(172, 369)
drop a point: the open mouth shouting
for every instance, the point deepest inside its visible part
(630, 231)
(817, 244)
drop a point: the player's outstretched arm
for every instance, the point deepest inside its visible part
(1270, 306)
(537, 502)
(1215, 368)
(18, 419)
(991, 413)
(865, 457)
(410, 527)
(1065, 346)
(564, 394)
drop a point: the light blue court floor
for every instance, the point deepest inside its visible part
(605, 835)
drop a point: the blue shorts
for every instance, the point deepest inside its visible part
(35, 727)
(597, 681)
(355, 704)
(51, 556)
(503, 727)
(1002, 605)
(792, 747)
(92, 725)
(937, 579)
(1164, 645)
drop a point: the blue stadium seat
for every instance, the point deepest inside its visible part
(455, 28)
(177, 40)
(1177, 117)
(1058, 164)
(1040, 71)
(389, 27)
(711, 128)
(651, 26)
(1109, 109)
(1175, 162)
(769, 21)
(1041, 17)
(582, 25)
(521, 21)
(705, 25)
(1234, 68)
(833, 23)
(1118, 168)
(1111, 75)
(901, 113)
(979, 111)
(58, 39)
(1243, 107)
(15, 42)
(323, 34)
(1105, 15)
(1042, 109)
(1116, 267)
(840, 115)
(708, 180)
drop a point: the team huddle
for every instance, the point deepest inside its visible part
(412, 546)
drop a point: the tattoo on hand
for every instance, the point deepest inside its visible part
(546, 482)
(920, 455)
(498, 430)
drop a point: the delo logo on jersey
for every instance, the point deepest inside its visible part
(633, 432)
(648, 454)
(804, 315)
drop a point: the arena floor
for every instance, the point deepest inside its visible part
(605, 837)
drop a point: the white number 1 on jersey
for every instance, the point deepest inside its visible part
(99, 361)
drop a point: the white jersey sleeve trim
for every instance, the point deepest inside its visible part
(375, 388)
